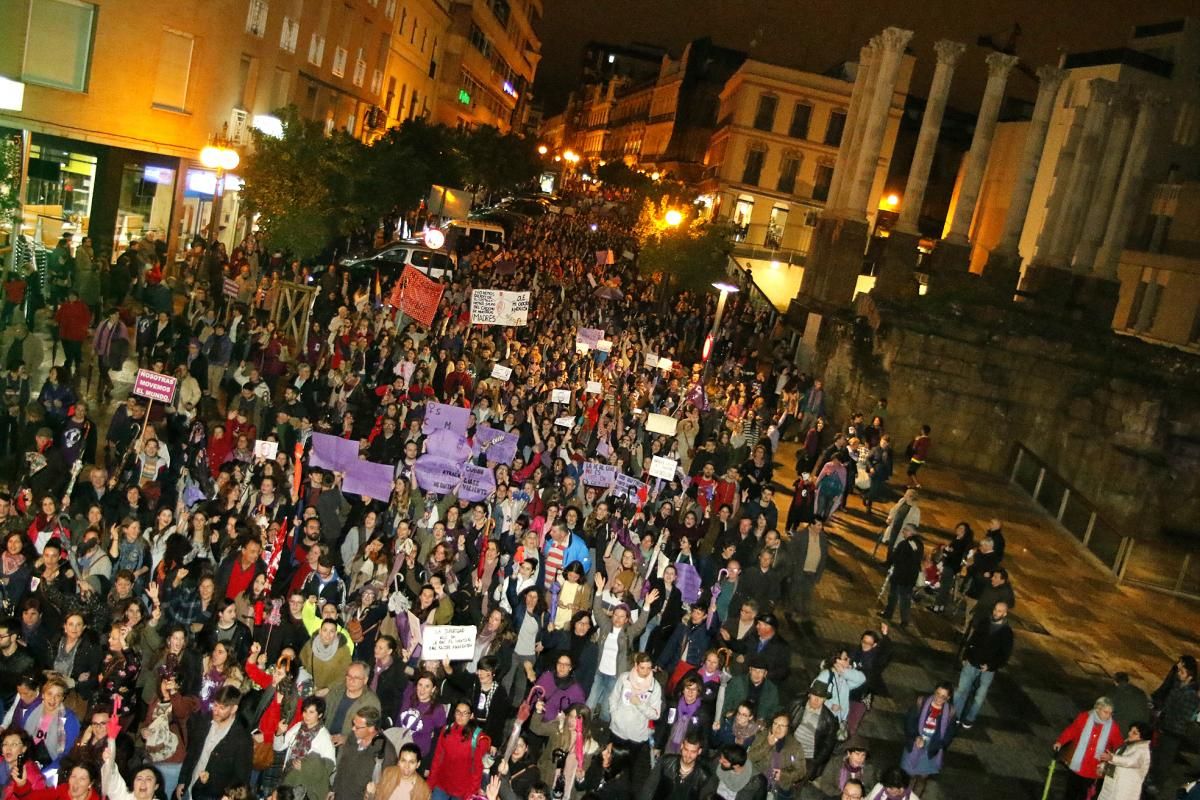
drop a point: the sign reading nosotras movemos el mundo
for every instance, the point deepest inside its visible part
(154, 386)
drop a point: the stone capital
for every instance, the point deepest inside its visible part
(1000, 64)
(1050, 78)
(1101, 90)
(894, 40)
(948, 52)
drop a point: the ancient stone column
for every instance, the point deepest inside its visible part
(1119, 221)
(1082, 175)
(1100, 200)
(859, 96)
(892, 43)
(999, 65)
(948, 53)
(1050, 79)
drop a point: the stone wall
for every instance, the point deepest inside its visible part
(1118, 419)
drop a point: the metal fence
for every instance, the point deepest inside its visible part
(1150, 563)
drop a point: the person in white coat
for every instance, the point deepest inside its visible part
(1125, 768)
(635, 703)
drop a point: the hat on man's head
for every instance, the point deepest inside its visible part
(756, 661)
(820, 689)
(768, 619)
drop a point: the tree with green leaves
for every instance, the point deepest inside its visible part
(689, 255)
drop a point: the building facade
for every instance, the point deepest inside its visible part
(121, 95)
(491, 55)
(415, 63)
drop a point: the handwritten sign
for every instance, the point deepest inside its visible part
(627, 487)
(419, 295)
(495, 445)
(154, 386)
(436, 474)
(501, 372)
(651, 360)
(661, 423)
(439, 416)
(477, 483)
(662, 467)
(560, 395)
(589, 336)
(594, 387)
(450, 642)
(230, 287)
(565, 422)
(498, 307)
(604, 346)
(665, 363)
(597, 474)
(266, 449)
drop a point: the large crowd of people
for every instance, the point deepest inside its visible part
(196, 605)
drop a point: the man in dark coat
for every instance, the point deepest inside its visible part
(774, 651)
(48, 472)
(680, 776)
(218, 750)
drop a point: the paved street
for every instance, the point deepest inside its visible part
(1074, 628)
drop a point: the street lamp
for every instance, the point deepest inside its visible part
(218, 155)
(673, 218)
(726, 289)
(542, 150)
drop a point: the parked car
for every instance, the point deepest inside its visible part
(391, 260)
(463, 235)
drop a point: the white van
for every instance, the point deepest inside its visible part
(463, 235)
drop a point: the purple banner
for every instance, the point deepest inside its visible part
(439, 416)
(333, 452)
(597, 474)
(437, 475)
(449, 445)
(497, 446)
(369, 479)
(688, 581)
(477, 484)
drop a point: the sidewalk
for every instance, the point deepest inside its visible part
(1074, 628)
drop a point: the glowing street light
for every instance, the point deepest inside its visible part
(673, 218)
(220, 156)
(710, 343)
(542, 149)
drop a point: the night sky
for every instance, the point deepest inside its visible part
(816, 34)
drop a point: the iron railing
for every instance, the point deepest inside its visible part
(1150, 563)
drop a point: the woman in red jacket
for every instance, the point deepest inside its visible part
(457, 771)
(1093, 733)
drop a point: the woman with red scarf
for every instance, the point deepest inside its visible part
(46, 525)
(220, 445)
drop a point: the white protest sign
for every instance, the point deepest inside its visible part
(661, 423)
(560, 395)
(501, 372)
(498, 307)
(265, 449)
(565, 422)
(594, 387)
(604, 345)
(451, 642)
(651, 360)
(664, 363)
(663, 468)
(581, 348)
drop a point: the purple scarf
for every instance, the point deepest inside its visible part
(684, 712)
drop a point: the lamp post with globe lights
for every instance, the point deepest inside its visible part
(218, 155)
(710, 345)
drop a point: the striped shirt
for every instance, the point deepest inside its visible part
(554, 562)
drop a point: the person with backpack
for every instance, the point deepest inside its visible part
(457, 770)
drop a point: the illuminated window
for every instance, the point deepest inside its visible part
(58, 44)
(256, 19)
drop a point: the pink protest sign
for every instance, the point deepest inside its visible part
(154, 386)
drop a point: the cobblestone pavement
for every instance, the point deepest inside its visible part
(1074, 628)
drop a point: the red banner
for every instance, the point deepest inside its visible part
(417, 295)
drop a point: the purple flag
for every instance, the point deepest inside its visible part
(437, 475)
(697, 397)
(688, 581)
(477, 483)
(369, 479)
(495, 445)
(447, 444)
(439, 416)
(333, 452)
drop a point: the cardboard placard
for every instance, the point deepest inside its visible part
(154, 386)
(594, 387)
(661, 423)
(597, 474)
(662, 467)
(565, 422)
(604, 345)
(451, 642)
(665, 363)
(560, 395)
(501, 372)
